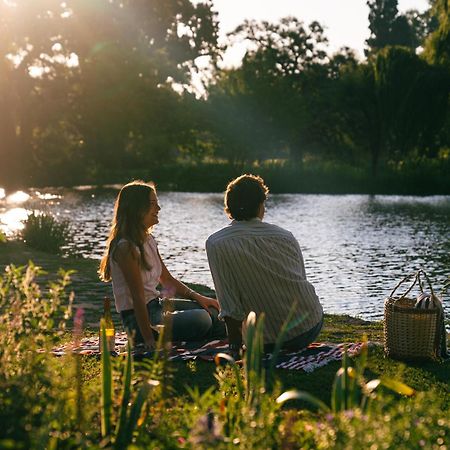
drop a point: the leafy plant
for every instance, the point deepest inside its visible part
(44, 232)
(129, 417)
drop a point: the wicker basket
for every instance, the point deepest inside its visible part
(410, 333)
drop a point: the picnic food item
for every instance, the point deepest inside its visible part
(109, 326)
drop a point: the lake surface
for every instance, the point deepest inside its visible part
(356, 247)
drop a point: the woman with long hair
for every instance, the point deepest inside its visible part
(133, 263)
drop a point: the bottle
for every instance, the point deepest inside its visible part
(109, 326)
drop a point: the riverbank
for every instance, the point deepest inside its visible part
(61, 400)
(414, 177)
(89, 292)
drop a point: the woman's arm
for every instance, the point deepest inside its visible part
(128, 259)
(177, 288)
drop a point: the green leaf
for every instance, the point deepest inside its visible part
(126, 395)
(106, 400)
(398, 386)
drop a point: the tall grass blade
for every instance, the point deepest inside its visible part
(249, 337)
(398, 387)
(345, 381)
(106, 401)
(136, 410)
(126, 395)
(301, 395)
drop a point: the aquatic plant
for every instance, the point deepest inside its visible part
(44, 232)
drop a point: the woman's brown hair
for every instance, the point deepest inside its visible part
(132, 203)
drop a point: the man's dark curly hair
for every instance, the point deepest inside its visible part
(244, 196)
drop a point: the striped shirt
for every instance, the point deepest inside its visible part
(259, 267)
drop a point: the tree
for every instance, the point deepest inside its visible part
(389, 28)
(393, 104)
(267, 101)
(437, 48)
(107, 64)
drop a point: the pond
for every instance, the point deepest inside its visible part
(356, 247)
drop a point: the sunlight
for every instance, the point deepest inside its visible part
(2, 193)
(12, 220)
(47, 196)
(17, 197)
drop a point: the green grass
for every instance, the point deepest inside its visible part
(89, 292)
(39, 390)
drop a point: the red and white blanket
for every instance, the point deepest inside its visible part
(314, 356)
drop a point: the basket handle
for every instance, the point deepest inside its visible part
(421, 271)
(408, 277)
(417, 279)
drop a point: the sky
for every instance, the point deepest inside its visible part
(346, 21)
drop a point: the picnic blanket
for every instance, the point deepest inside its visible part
(316, 355)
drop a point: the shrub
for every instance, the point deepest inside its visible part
(44, 232)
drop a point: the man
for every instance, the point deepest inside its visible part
(259, 267)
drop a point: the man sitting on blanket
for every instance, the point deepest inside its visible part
(257, 266)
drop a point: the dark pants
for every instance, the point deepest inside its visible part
(299, 342)
(190, 322)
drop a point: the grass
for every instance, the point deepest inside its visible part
(59, 402)
(89, 292)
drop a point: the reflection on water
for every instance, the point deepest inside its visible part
(12, 220)
(356, 247)
(17, 197)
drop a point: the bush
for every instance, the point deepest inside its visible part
(44, 232)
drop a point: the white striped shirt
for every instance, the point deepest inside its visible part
(257, 266)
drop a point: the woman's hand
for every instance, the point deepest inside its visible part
(207, 302)
(178, 288)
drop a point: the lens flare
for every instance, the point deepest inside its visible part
(12, 220)
(17, 197)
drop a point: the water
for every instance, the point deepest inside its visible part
(356, 247)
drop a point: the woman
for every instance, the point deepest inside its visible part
(134, 265)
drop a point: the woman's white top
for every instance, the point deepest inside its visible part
(150, 278)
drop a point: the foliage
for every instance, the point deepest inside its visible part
(43, 232)
(50, 402)
(437, 48)
(26, 316)
(90, 82)
(129, 416)
(112, 86)
(29, 382)
(350, 389)
(389, 28)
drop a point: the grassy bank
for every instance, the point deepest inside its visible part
(89, 293)
(33, 390)
(417, 177)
